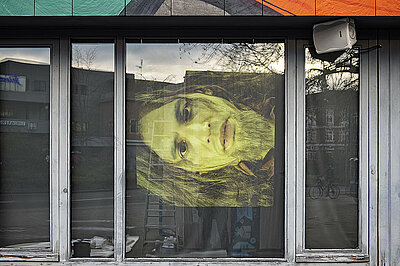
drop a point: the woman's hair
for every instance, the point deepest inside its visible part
(228, 186)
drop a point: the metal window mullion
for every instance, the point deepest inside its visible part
(54, 148)
(290, 154)
(300, 150)
(119, 151)
(363, 152)
(64, 150)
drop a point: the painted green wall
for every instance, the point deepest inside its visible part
(61, 7)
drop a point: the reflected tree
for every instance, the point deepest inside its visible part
(83, 58)
(239, 57)
(323, 75)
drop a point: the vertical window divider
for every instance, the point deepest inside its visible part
(119, 151)
(300, 149)
(54, 147)
(290, 146)
(364, 172)
(64, 149)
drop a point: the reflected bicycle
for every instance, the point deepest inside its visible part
(324, 189)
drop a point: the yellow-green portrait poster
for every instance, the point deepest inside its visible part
(204, 141)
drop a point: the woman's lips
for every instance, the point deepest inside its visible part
(226, 134)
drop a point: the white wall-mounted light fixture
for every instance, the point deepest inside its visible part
(332, 36)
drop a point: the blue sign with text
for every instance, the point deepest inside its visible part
(10, 79)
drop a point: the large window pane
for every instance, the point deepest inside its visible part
(205, 154)
(92, 152)
(332, 137)
(24, 147)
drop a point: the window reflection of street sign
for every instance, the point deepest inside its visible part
(12, 83)
(15, 123)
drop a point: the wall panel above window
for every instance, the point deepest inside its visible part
(198, 8)
(17, 8)
(55, 8)
(97, 8)
(148, 8)
(243, 8)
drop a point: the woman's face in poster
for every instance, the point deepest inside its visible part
(194, 131)
(200, 132)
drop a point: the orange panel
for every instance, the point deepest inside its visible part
(291, 7)
(388, 7)
(345, 7)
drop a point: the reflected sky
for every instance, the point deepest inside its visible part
(94, 56)
(169, 62)
(165, 62)
(160, 62)
(38, 55)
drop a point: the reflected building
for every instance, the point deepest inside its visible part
(332, 134)
(92, 123)
(24, 89)
(25, 150)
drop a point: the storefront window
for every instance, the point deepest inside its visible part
(92, 150)
(191, 157)
(205, 149)
(332, 172)
(24, 147)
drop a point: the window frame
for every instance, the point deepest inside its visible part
(366, 166)
(51, 254)
(65, 150)
(286, 257)
(295, 157)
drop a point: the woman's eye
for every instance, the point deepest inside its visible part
(185, 114)
(184, 111)
(182, 148)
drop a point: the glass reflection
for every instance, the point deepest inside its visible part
(92, 152)
(24, 147)
(332, 130)
(202, 174)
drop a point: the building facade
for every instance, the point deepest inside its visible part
(198, 132)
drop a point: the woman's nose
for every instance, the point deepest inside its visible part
(202, 131)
